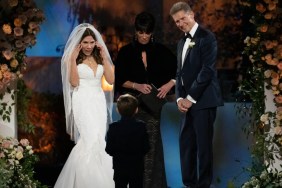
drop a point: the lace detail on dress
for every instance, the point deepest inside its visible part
(88, 164)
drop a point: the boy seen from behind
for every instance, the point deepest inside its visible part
(127, 143)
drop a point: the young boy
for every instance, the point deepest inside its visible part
(127, 142)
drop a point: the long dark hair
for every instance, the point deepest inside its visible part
(96, 51)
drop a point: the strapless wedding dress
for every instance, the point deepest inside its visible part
(88, 165)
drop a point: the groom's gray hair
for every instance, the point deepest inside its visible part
(180, 6)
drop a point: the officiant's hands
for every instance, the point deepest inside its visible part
(143, 88)
(165, 89)
(184, 105)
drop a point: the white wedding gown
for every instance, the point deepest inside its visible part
(88, 165)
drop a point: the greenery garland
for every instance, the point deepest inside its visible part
(263, 49)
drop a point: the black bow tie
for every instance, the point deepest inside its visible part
(187, 35)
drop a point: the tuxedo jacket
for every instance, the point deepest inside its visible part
(197, 76)
(127, 142)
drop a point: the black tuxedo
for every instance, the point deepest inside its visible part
(198, 78)
(127, 142)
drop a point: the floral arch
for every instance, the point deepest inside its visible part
(19, 24)
(263, 50)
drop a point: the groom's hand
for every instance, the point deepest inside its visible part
(184, 105)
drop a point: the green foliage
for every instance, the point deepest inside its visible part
(6, 105)
(23, 98)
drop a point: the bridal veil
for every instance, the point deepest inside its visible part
(72, 42)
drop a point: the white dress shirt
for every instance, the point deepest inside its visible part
(185, 50)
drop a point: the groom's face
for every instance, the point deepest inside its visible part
(184, 20)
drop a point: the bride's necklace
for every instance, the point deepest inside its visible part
(91, 63)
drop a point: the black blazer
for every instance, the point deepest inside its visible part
(199, 74)
(127, 142)
(161, 66)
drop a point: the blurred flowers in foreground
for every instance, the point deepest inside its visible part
(16, 164)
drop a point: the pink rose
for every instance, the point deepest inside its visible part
(24, 142)
(4, 68)
(8, 54)
(2, 155)
(18, 31)
(271, 6)
(263, 28)
(274, 81)
(278, 99)
(260, 7)
(268, 16)
(6, 144)
(279, 66)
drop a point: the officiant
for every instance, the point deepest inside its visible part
(142, 66)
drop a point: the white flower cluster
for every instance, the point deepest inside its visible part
(16, 160)
(265, 179)
(13, 151)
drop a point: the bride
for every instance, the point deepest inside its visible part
(87, 109)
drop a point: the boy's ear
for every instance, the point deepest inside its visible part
(136, 110)
(117, 110)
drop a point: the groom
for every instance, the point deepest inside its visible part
(198, 95)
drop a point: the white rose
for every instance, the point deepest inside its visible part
(19, 155)
(28, 147)
(264, 118)
(267, 73)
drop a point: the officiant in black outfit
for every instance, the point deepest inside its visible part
(138, 65)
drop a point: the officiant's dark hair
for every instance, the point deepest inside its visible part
(145, 22)
(127, 105)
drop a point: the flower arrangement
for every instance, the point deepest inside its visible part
(19, 25)
(267, 178)
(263, 49)
(17, 160)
